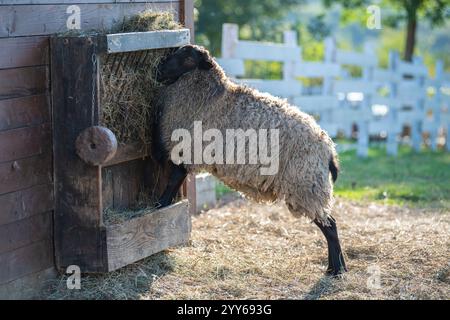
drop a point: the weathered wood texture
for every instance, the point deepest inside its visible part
(23, 112)
(48, 19)
(146, 235)
(22, 204)
(20, 82)
(122, 184)
(25, 142)
(25, 231)
(186, 16)
(23, 52)
(26, 260)
(21, 174)
(128, 152)
(136, 41)
(26, 172)
(78, 232)
(12, 2)
(29, 286)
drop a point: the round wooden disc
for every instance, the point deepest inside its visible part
(96, 145)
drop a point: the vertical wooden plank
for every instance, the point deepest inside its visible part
(79, 234)
(392, 142)
(187, 16)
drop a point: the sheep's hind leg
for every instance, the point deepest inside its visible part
(176, 178)
(336, 263)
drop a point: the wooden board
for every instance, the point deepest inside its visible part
(140, 237)
(122, 184)
(136, 41)
(29, 286)
(20, 82)
(23, 52)
(12, 2)
(25, 173)
(79, 238)
(48, 19)
(23, 112)
(128, 152)
(25, 231)
(26, 203)
(26, 260)
(25, 142)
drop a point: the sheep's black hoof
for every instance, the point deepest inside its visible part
(336, 273)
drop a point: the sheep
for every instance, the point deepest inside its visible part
(197, 89)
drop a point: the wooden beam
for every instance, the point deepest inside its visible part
(128, 152)
(187, 16)
(15, 2)
(140, 237)
(33, 20)
(79, 236)
(135, 41)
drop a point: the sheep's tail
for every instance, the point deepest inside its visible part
(334, 168)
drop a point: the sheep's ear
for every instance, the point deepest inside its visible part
(205, 62)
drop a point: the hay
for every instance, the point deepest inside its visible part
(252, 251)
(127, 89)
(128, 81)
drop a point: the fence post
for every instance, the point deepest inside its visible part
(230, 38)
(366, 105)
(436, 104)
(290, 39)
(327, 85)
(392, 143)
(416, 125)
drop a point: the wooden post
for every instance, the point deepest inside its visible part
(419, 110)
(436, 104)
(80, 237)
(327, 85)
(230, 38)
(290, 39)
(363, 124)
(392, 143)
(187, 16)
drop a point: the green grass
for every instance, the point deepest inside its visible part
(416, 179)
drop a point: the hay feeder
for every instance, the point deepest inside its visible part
(94, 171)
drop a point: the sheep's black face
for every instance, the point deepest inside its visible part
(183, 60)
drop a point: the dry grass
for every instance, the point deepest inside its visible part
(249, 251)
(128, 81)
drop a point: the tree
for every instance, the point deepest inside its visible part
(258, 15)
(410, 11)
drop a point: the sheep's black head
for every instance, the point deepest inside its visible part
(183, 60)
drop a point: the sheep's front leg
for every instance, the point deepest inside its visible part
(336, 263)
(176, 178)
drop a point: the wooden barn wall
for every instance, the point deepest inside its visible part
(26, 173)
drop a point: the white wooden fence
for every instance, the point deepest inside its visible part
(381, 102)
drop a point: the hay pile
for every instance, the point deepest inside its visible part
(128, 81)
(127, 89)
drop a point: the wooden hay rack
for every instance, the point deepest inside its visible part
(92, 171)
